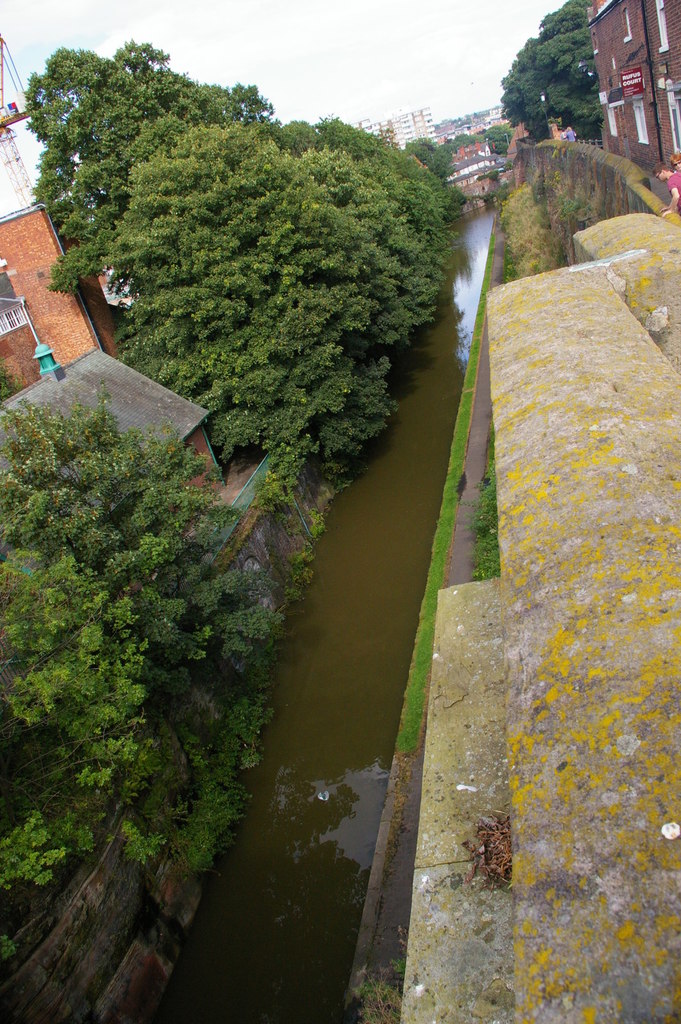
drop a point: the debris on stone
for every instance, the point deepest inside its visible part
(491, 852)
(671, 830)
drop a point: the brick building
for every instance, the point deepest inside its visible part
(29, 312)
(637, 57)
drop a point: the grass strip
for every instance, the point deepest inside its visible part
(421, 660)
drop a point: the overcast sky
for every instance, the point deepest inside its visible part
(309, 58)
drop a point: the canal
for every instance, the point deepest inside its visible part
(274, 937)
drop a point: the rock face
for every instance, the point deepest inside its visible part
(104, 949)
(587, 414)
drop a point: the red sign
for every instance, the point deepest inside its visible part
(632, 82)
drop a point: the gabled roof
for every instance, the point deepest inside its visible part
(133, 399)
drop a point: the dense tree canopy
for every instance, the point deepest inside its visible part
(436, 158)
(273, 268)
(96, 118)
(271, 287)
(107, 621)
(549, 66)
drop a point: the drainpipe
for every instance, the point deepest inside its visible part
(651, 78)
(28, 320)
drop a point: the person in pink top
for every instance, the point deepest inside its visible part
(673, 179)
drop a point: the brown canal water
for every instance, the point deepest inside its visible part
(274, 937)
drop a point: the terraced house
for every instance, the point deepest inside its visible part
(637, 57)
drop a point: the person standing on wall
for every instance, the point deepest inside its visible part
(673, 179)
(570, 134)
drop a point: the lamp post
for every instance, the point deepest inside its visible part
(542, 97)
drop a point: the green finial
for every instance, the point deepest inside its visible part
(43, 354)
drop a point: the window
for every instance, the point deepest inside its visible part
(612, 122)
(640, 117)
(627, 26)
(11, 319)
(662, 22)
(675, 118)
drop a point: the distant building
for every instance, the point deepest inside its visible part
(403, 127)
(637, 57)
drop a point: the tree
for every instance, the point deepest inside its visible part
(437, 159)
(498, 136)
(72, 714)
(270, 287)
(115, 609)
(97, 117)
(549, 66)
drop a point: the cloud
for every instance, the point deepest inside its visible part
(358, 58)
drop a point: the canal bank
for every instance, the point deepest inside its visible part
(275, 933)
(388, 905)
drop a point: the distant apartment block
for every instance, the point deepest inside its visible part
(402, 127)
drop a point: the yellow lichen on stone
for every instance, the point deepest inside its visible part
(588, 434)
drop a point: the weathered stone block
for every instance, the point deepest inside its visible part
(588, 435)
(652, 279)
(460, 957)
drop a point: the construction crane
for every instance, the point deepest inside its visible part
(12, 111)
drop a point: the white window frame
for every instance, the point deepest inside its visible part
(675, 118)
(612, 121)
(640, 118)
(12, 319)
(662, 25)
(627, 25)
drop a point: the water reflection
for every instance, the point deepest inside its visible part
(339, 811)
(472, 251)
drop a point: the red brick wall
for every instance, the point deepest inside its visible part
(616, 55)
(666, 64)
(16, 352)
(100, 313)
(29, 245)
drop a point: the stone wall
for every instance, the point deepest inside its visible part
(648, 279)
(587, 418)
(582, 185)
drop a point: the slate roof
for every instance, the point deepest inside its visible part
(133, 399)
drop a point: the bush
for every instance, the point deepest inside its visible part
(534, 247)
(485, 525)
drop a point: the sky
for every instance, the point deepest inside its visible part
(311, 59)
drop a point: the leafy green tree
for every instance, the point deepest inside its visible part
(8, 385)
(437, 159)
(103, 626)
(271, 287)
(97, 117)
(71, 714)
(464, 139)
(498, 136)
(549, 66)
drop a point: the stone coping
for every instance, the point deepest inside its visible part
(459, 955)
(648, 279)
(588, 438)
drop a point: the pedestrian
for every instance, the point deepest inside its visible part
(673, 179)
(570, 134)
(675, 161)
